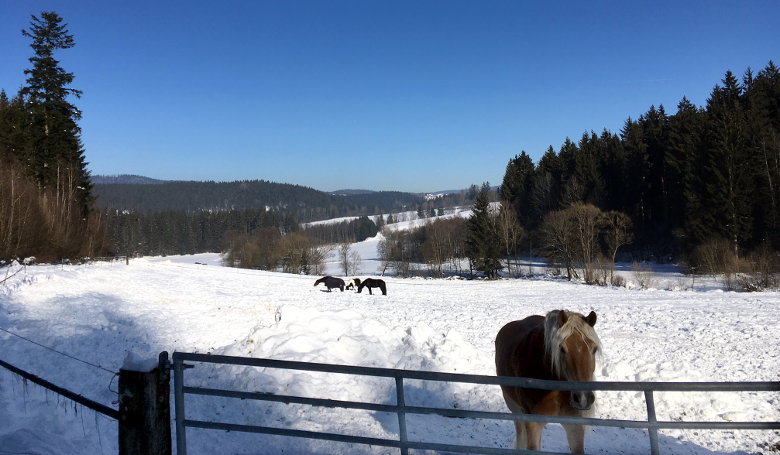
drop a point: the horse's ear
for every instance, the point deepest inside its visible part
(562, 318)
(591, 319)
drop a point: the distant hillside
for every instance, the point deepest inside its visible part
(126, 178)
(307, 204)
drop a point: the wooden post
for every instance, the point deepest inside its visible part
(145, 410)
(127, 260)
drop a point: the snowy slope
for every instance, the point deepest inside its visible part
(99, 313)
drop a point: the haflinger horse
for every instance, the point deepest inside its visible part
(561, 346)
(354, 283)
(373, 283)
(331, 282)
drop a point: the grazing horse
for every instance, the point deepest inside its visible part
(560, 346)
(331, 282)
(353, 283)
(372, 283)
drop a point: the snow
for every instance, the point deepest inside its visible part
(105, 313)
(135, 362)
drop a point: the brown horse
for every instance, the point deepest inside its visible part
(331, 282)
(561, 346)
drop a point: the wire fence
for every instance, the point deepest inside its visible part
(95, 406)
(86, 402)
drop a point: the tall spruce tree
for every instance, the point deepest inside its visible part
(57, 158)
(517, 184)
(729, 183)
(683, 158)
(482, 243)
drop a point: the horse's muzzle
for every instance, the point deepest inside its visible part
(582, 400)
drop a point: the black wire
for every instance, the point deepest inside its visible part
(58, 352)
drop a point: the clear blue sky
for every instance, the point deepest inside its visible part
(381, 95)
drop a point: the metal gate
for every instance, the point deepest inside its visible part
(652, 425)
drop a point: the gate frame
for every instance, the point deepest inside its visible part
(652, 425)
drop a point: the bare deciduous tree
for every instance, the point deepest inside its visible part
(586, 221)
(343, 255)
(617, 227)
(557, 235)
(511, 232)
(355, 263)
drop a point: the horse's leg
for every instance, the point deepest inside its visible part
(576, 436)
(521, 438)
(534, 435)
(369, 291)
(521, 435)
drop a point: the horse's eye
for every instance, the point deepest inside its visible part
(595, 350)
(563, 351)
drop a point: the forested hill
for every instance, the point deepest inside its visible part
(126, 178)
(307, 204)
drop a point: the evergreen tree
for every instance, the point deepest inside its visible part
(637, 174)
(612, 168)
(655, 131)
(517, 185)
(729, 183)
(683, 160)
(483, 249)
(54, 135)
(587, 171)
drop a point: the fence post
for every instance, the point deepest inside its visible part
(145, 410)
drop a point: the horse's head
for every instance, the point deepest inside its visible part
(573, 346)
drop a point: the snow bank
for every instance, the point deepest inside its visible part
(106, 313)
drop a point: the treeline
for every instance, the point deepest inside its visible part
(176, 232)
(683, 180)
(350, 231)
(168, 232)
(268, 249)
(438, 245)
(45, 190)
(299, 252)
(306, 204)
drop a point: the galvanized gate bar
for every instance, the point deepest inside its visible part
(360, 439)
(178, 393)
(399, 388)
(484, 379)
(651, 424)
(652, 430)
(287, 399)
(462, 413)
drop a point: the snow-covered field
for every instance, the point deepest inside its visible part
(99, 313)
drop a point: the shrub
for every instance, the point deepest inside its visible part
(642, 275)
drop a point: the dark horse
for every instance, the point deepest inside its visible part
(353, 283)
(372, 283)
(560, 346)
(331, 282)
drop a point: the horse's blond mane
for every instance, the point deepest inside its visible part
(554, 337)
